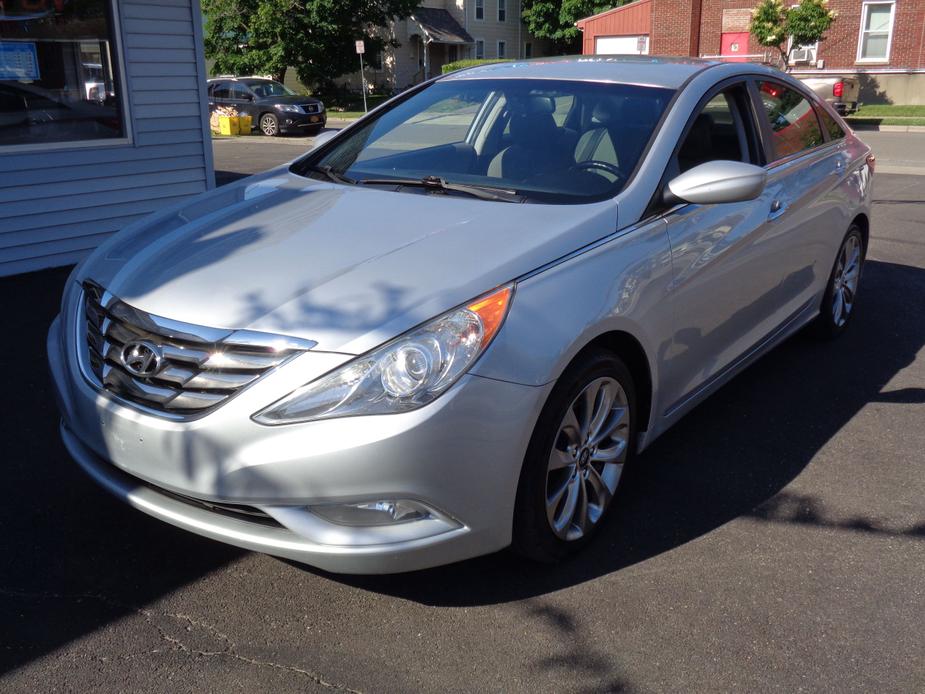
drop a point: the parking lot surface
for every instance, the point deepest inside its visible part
(773, 541)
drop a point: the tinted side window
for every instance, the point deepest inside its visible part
(714, 135)
(836, 132)
(794, 126)
(239, 91)
(222, 90)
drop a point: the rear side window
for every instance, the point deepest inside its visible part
(563, 107)
(794, 126)
(835, 131)
(222, 91)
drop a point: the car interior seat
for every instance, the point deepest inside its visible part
(536, 147)
(698, 145)
(597, 142)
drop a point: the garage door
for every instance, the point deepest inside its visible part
(615, 45)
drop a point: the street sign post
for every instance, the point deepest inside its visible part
(361, 49)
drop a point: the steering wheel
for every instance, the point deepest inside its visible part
(597, 165)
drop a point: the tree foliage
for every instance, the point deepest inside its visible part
(469, 62)
(316, 37)
(555, 19)
(773, 24)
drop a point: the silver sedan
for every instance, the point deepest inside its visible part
(449, 328)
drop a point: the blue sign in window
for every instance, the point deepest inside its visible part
(18, 60)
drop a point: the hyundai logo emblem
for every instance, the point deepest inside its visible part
(141, 358)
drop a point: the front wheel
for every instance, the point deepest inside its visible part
(582, 441)
(269, 125)
(842, 291)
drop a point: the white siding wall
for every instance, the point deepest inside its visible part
(490, 30)
(56, 205)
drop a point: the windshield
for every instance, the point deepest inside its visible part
(264, 88)
(549, 140)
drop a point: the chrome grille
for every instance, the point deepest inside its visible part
(195, 368)
(311, 108)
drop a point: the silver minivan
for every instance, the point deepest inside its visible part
(448, 329)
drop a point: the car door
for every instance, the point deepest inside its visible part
(731, 271)
(242, 99)
(805, 169)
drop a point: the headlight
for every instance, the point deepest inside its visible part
(292, 108)
(403, 374)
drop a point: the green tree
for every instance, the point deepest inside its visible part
(555, 19)
(773, 24)
(316, 37)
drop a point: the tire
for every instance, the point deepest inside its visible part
(543, 528)
(840, 298)
(268, 124)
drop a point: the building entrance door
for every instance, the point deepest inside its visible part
(734, 46)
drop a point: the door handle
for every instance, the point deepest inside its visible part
(777, 209)
(838, 167)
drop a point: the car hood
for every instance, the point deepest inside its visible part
(345, 266)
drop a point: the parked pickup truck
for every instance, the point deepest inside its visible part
(841, 92)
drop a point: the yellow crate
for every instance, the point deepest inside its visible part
(244, 125)
(228, 125)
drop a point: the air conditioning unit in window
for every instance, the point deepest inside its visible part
(803, 54)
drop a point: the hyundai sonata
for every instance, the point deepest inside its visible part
(448, 329)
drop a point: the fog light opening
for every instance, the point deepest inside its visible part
(375, 513)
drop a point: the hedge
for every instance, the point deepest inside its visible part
(470, 62)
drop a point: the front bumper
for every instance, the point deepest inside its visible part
(300, 122)
(460, 455)
(844, 107)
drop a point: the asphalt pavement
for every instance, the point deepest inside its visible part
(773, 541)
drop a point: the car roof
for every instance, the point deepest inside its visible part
(655, 71)
(230, 78)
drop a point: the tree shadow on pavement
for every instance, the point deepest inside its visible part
(730, 456)
(72, 558)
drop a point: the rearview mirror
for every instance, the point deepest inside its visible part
(717, 182)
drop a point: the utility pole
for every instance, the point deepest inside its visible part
(361, 49)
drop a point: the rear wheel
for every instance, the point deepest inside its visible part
(269, 125)
(582, 441)
(841, 293)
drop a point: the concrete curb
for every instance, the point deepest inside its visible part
(896, 169)
(888, 128)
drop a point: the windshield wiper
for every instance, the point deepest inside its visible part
(332, 174)
(439, 183)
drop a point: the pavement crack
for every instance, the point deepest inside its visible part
(228, 649)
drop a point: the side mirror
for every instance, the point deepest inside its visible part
(323, 137)
(717, 182)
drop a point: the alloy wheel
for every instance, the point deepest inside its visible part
(268, 125)
(587, 458)
(845, 280)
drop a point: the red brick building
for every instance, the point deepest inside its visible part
(880, 41)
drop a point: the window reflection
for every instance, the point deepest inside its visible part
(58, 74)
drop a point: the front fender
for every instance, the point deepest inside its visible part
(618, 284)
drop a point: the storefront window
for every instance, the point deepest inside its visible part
(58, 72)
